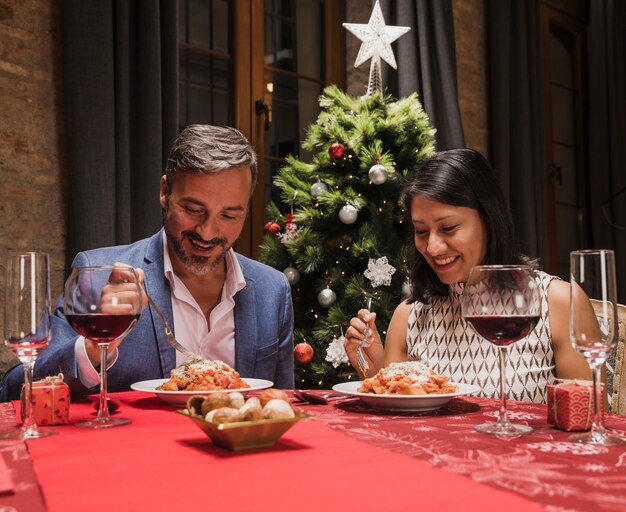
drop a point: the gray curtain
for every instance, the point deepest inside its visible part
(120, 74)
(516, 94)
(426, 61)
(607, 129)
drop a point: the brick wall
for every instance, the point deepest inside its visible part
(32, 173)
(471, 66)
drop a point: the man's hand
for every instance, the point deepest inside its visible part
(123, 294)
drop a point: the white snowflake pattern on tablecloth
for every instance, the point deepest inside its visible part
(379, 271)
(553, 508)
(424, 428)
(565, 447)
(517, 471)
(515, 415)
(594, 468)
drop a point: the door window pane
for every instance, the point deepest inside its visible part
(205, 62)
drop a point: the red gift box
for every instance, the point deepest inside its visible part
(51, 401)
(570, 405)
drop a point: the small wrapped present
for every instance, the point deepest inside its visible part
(570, 404)
(51, 401)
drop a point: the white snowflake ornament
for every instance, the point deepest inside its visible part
(379, 271)
(336, 352)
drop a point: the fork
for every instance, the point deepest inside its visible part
(360, 358)
(168, 332)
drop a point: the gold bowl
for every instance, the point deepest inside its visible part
(245, 435)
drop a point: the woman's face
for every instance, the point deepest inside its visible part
(452, 239)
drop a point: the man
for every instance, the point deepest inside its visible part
(222, 305)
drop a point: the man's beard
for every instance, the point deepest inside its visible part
(197, 265)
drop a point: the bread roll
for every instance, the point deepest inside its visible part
(272, 394)
(215, 401)
(275, 409)
(224, 415)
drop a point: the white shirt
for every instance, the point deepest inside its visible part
(214, 339)
(191, 327)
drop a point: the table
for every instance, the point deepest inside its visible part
(347, 458)
(543, 466)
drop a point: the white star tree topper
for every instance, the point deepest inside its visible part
(376, 40)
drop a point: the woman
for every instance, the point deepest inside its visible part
(460, 220)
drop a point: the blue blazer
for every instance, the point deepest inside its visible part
(263, 327)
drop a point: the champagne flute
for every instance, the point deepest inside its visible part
(27, 326)
(102, 303)
(502, 303)
(593, 327)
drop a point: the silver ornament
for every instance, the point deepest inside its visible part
(407, 288)
(326, 297)
(318, 188)
(348, 214)
(377, 174)
(293, 276)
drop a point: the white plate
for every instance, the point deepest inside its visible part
(178, 398)
(404, 402)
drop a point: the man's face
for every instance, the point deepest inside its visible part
(204, 216)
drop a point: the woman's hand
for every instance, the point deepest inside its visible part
(372, 348)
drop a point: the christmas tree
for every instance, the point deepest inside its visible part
(340, 234)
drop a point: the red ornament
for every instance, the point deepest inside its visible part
(303, 352)
(336, 150)
(272, 228)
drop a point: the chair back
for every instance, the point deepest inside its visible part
(617, 398)
(616, 364)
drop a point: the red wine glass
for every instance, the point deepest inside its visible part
(102, 304)
(502, 303)
(27, 326)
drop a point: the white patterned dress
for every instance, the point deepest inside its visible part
(438, 336)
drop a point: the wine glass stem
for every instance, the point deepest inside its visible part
(29, 420)
(502, 357)
(103, 411)
(597, 426)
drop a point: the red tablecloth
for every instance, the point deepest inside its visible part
(164, 462)
(543, 466)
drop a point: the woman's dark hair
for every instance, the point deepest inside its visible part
(461, 177)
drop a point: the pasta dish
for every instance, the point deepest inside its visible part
(407, 378)
(203, 375)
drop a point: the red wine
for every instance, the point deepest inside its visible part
(101, 327)
(503, 330)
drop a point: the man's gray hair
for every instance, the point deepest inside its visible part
(205, 148)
